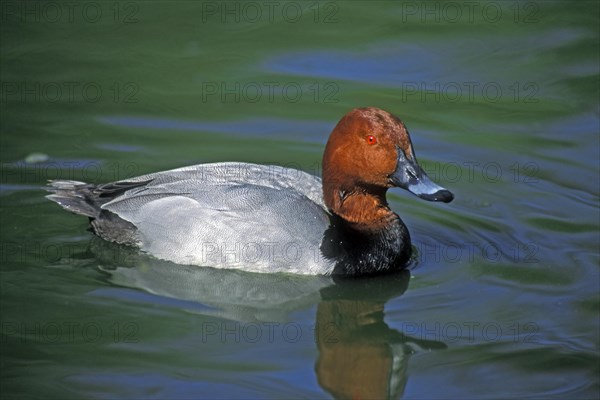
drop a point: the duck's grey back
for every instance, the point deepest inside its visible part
(227, 215)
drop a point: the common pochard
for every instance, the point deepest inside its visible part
(265, 218)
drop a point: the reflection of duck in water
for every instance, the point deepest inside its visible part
(360, 357)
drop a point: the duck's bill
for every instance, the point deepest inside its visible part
(410, 176)
(426, 189)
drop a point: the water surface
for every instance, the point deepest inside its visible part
(502, 104)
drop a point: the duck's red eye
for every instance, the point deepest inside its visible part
(371, 139)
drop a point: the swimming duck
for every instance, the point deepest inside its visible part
(265, 218)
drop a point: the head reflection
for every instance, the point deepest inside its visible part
(360, 356)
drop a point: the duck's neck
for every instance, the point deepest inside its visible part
(366, 236)
(365, 209)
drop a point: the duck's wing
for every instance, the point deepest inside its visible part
(195, 181)
(230, 215)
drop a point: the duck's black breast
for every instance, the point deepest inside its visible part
(366, 252)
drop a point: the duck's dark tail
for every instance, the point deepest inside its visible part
(87, 199)
(76, 197)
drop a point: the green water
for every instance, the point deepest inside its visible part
(501, 99)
